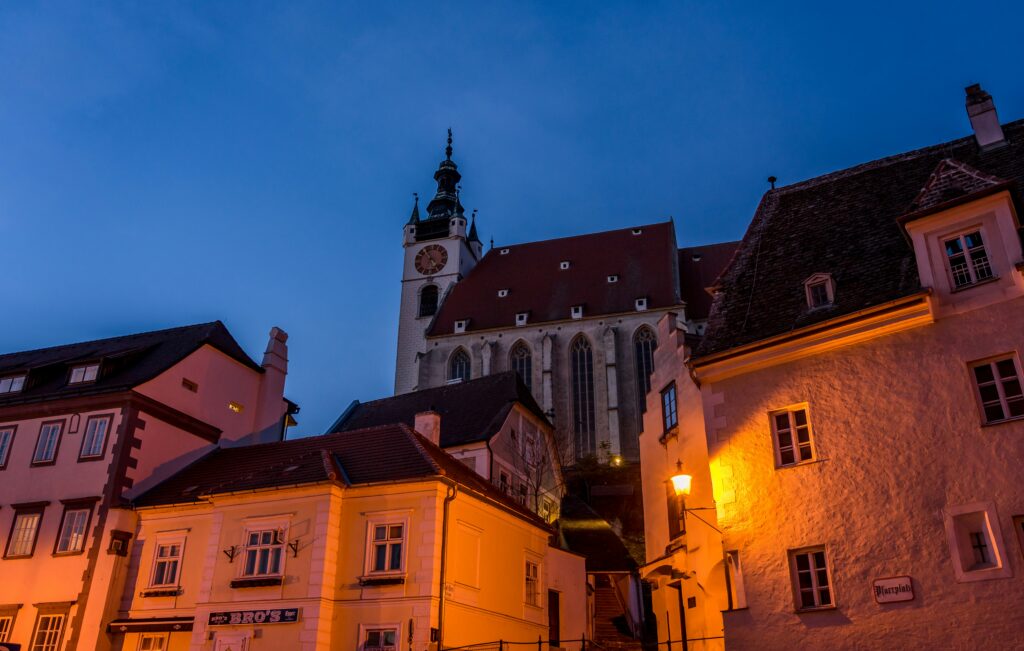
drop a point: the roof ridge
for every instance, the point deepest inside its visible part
(418, 440)
(580, 236)
(111, 339)
(439, 389)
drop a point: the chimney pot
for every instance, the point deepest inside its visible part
(982, 112)
(428, 423)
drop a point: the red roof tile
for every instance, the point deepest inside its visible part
(699, 268)
(643, 258)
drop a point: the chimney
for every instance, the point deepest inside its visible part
(271, 408)
(982, 112)
(428, 423)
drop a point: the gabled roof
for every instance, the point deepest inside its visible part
(470, 411)
(126, 361)
(358, 457)
(847, 224)
(699, 267)
(951, 181)
(643, 258)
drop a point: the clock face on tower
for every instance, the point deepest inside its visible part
(431, 259)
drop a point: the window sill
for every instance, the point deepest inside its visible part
(37, 464)
(161, 592)
(818, 609)
(672, 433)
(801, 464)
(78, 552)
(1012, 419)
(18, 557)
(98, 457)
(534, 606)
(964, 288)
(382, 579)
(257, 582)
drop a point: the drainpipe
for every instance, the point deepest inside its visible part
(453, 490)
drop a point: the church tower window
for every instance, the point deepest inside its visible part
(581, 367)
(644, 343)
(459, 366)
(522, 363)
(428, 300)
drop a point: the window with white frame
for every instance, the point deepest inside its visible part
(84, 373)
(153, 642)
(24, 531)
(381, 639)
(386, 546)
(791, 430)
(6, 624)
(819, 290)
(167, 563)
(49, 439)
(811, 583)
(999, 389)
(95, 440)
(12, 383)
(6, 439)
(975, 543)
(532, 583)
(71, 539)
(263, 551)
(49, 631)
(967, 259)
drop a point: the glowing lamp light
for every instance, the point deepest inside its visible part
(680, 481)
(616, 460)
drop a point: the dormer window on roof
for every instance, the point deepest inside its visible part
(84, 373)
(968, 260)
(577, 311)
(502, 293)
(819, 290)
(12, 383)
(613, 278)
(563, 265)
(521, 318)
(503, 251)
(637, 231)
(641, 304)
(460, 325)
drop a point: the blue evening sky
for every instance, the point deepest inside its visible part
(171, 163)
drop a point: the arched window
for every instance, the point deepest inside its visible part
(644, 343)
(459, 365)
(581, 376)
(521, 361)
(428, 300)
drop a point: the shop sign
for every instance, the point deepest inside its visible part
(892, 589)
(269, 616)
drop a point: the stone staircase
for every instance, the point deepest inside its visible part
(611, 630)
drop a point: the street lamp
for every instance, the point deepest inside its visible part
(681, 481)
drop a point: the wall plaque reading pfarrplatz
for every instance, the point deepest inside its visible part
(269, 616)
(892, 589)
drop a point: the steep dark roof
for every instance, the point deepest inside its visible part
(586, 533)
(699, 267)
(126, 361)
(364, 456)
(845, 224)
(470, 411)
(644, 263)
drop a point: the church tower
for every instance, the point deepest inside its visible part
(439, 251)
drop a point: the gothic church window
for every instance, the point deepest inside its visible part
(644, 343)
(459, 366)
(428, 300)
(522, 363)
(581, 371)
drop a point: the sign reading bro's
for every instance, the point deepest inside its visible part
(893, 589)
(269, 616)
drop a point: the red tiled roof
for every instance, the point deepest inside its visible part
(699, 267)
(645, 264)
(375, 454)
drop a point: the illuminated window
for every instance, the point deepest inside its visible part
(84, 373)
(532, 583)
(95, 439)
(386, 546)
(674, 502)
(48, 442)
(167, 563)
(967, 259)
(521, 361)
(999, 389)
(49, 631)
(236, 407)
(669, 413)
(459, 366)
(791, 430)
(581, 379)
(6, 440)
(428, 300)
(153, 642)
(12, 384)
(73, 528)
(811, 582)
(263, 551)
(381, 639)
(644, 343)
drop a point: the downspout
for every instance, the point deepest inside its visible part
(453, 490)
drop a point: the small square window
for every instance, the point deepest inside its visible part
(153, 642)
(12, 384)
(997, 384)
(819, 290)
(503, 251)
(577, 311)
(641, 304)
(966, 259)
(460, 326)
(613, 278)
(236, 407)
(84, 373)
(791, 430)
(637, 231)
(819, 294)
(563, 265)
(502, 293)
(811, 581)
(190, 385)
(521, 318)
(381, 639)
(975, 543)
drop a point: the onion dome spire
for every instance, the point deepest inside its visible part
(446, 201)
